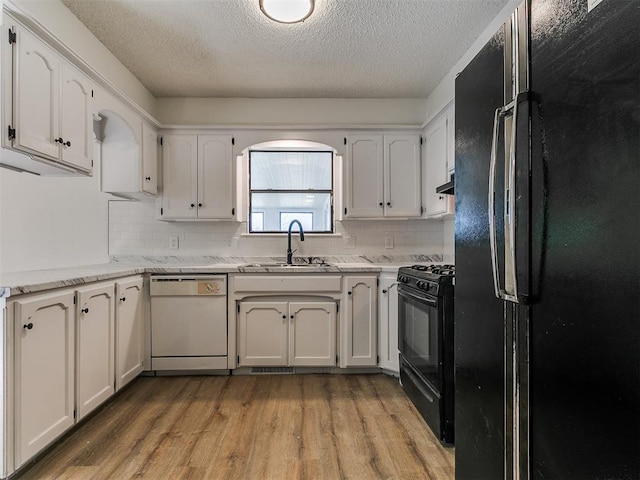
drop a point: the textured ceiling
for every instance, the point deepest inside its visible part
(346, 49)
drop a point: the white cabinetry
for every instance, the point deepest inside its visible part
(44, 373)
(383, 176)
(149, 174)
(51, 115)
(197, 177)
(129, 330)
(95, 319)
(388, 322)
(438, 153)
(287, 333)
(359, 335)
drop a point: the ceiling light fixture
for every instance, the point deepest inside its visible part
(287, 11)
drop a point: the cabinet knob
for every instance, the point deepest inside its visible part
(199, 205)
(384, 291)
(59, 140)
(284, 316)
(193, 205)
(67, 143)
(440, 197)
(28, 326)
(123, 299)
(348, 293)
(388, 204)
(85, 310)
(381, 204)
(148, 179)
(291, 317)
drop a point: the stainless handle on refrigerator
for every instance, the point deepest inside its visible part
(491, 203)
(510, 195)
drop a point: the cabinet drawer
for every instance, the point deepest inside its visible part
(287, 283)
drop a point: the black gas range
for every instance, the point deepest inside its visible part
(425, 341)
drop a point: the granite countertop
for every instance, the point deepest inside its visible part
(39, 280)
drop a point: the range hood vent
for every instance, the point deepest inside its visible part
(446, 188)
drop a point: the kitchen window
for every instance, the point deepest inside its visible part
(286, 185)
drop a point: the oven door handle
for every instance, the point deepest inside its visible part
(429, 301)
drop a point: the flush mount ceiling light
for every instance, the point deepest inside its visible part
(287, 11)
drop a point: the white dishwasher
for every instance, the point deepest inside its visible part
(188, 322)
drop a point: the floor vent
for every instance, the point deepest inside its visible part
(271, 369)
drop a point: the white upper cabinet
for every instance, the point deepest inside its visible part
(438, 150)
(50, 100)
(383, 176)
(149, 175)
(197, 180)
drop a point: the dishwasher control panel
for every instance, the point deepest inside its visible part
(188, 285)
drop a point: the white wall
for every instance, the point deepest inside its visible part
(133, 230)
(50, 222)
(291, 111)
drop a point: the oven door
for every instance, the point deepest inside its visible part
(419, 334)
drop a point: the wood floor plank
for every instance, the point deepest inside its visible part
(297, 427)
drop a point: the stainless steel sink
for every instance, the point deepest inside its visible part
(284, 265)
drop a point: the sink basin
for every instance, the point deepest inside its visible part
(284, 265)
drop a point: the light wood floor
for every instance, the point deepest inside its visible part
(277, 427)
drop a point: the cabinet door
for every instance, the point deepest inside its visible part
(312, 333)
(364, 177)
(129, 331)
(180, 176)
(44, 379)
(451, 142)
(436, 168)
(262, 334)
(36, 96)
(402, 192)
(215, 177)
(76, 120)
(149, 181)
(95, 321)
(358, 338)
(388, 323)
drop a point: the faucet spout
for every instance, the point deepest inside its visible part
(289, 251)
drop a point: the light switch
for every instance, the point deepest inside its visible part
(173, 242)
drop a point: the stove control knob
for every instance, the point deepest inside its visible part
(403, 279)
(423, 286)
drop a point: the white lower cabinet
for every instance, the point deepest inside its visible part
(388, 323)
(95, 320)
(129, 330)
(287, 333)
(359, 336)
(44, 373)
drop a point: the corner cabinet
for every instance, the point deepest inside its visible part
(44, 373)
(129, 330)
(50, 101)
(360, 327)
(287, 333)
(382, 176)
(388, 323)
(198, 177)
(95, 320)
(439, 155)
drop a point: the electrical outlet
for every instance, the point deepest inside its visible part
(388, 242)
(349, 242)
(174, 242)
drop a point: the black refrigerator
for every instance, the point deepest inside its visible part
(547, 246)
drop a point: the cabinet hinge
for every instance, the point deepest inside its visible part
(233, 211)
(421, 139)
(75, 414)
(345, 140)
(12, 133)
(161, 140)
(12, 37)
(238, 306)
(337, 308)
(238, 359)
(345, 210)
(91, 93)
(92, 163)
(377, 282)
(233, 140)
(74, 299)
(161, 211)
(421, 210)
(336, 359)
(378, 359)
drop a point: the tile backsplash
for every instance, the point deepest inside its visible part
(134, 230)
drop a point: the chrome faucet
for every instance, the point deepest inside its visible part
(289, 251)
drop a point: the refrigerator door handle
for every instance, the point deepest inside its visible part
(492, 204)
